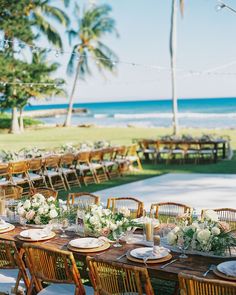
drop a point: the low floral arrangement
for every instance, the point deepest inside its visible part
(68, 148)
(206, 235)
(103, 222)
(39, 210)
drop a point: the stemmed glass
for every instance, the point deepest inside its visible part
(117, 235)
(183, 247)
(23, 222)
(64, 223)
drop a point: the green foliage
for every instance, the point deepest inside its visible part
(5, 122)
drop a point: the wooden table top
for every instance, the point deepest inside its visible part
(194, 264)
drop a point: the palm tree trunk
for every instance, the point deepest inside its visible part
(71, 100)
(173, 66)
(15, 129)
(21, 120)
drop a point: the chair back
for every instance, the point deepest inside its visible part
(121, 151)
(116, 278)
(83, 157)
(53, 266)
(192, 285)
(45, 191)
(82, 200)
(52, 162)
(35, 164)
(20, 167)
(227, 215)
(135, 206)
(4, 170)
(12, 191)
(96, 156)
(67, 159)
(108, 154)
(132, 150)
(166, 210)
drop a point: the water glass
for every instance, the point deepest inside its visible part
(23, 222)
(64, 223)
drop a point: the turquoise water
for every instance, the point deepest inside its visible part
(207, 113)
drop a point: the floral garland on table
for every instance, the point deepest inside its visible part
(39, 210)
(103, 222)
(206, 235)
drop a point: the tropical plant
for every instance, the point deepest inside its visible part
(173, 61)
(94, 24)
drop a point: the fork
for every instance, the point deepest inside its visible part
(211, 267)
(123, 255)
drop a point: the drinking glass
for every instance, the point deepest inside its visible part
(117, 235)
(183, 247)
(64, 223)
(23, 222)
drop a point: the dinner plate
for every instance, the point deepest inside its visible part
(228, 268)
(144, 252)
(36, 234)
(4, 225)
(86, 243)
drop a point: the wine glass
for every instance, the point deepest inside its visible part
(23, 222)
(116, 236)
(64, 223)
(183, 247)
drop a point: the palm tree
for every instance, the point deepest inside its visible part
(93, 25)
(173, 62)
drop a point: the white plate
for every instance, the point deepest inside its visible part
(4, 225)
(35, 234)
(228, 268)
(86, 243)
(142, 253)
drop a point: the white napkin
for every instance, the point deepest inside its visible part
(37, 235)
(138, 240)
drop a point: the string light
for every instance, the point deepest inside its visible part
(4, 83)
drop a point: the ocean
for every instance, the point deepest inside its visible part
(210, 113)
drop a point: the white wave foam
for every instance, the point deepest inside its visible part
(99, 116)
(169, 115)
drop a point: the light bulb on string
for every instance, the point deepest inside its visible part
(57, 53)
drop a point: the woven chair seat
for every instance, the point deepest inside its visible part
(4, 181)
(84, 167)
(8, 280)
(67, 170)
(52, 173)
(95, 165)
(165, 151)
(63, 289)
(120, 161)
(19, 179)
(207, 151)
(192, 151)
(149, 151)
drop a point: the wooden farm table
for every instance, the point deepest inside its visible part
(194, 264)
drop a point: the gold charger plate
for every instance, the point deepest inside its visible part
(105, 246)
(149, 261)
(52, 235)
(5, 230)
(223, 276)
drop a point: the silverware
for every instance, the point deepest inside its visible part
(123, 255)
(165, 265)
(211, 267)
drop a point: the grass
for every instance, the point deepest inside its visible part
(43, 137)
(5, 122)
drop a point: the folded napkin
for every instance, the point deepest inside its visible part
(37, 234)
(229, 269)
(138, 240)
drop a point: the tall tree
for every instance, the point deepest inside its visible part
(173, 45)
(94, 24)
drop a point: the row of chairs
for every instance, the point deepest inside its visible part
(173, 152)
(58, 268)
(61, 172)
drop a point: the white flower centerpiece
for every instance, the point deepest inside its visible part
(103, 222)
(38, 210)
(208, 235)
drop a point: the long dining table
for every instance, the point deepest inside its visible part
(194, 264)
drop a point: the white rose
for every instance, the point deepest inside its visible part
(53, 213)
(30, 215)
(39, 197)
(215, 231)
(37, 220)
(27, 204)
(175, 230)
(45, 208)
(94, 219)
(21, 211)
(211, 215)
(52, 206)
(171, 238)
(125, 211)
(35, 204)
(203, 235)
(40, 210)
(113, 226)
(51, 199)
(107, 212)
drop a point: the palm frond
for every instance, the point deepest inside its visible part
(103, 61)
(45, 27)
(56, 13)
(72, 60)
(71, 35)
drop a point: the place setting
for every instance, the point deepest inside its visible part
(5, 226)
(36, 234)
(226, 270)
(88, 245)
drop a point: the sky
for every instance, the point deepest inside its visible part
(206, 40)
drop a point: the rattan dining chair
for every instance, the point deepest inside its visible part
(193, 285)
(68, 169)
(168, 211)
(116, 278)
(96, 164)
(12, 191)
(19, 175)
(83, 199)
(227, 215)
(35, 172)
(135, 206)
(84, 168)
(12, 268)
(47, 192)
(53, 173)
(4, 174)
(49, 265)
